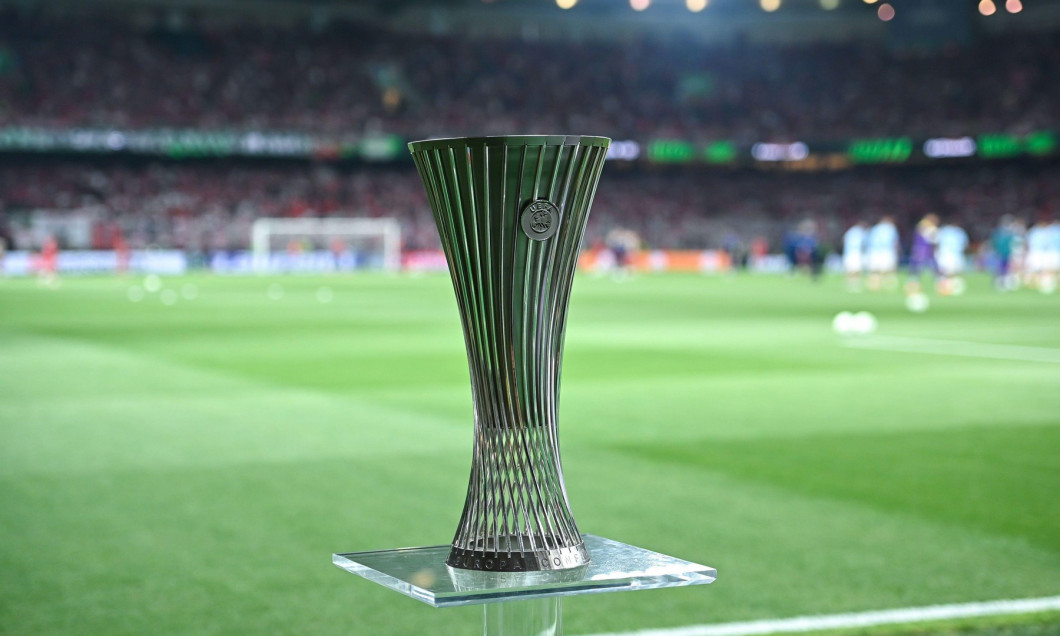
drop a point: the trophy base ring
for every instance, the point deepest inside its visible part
(503, 561)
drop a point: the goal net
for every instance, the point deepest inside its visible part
(331, 244)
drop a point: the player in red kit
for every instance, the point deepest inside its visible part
(49, 261)
(121, 251)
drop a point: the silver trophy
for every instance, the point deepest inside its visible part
(511, 213)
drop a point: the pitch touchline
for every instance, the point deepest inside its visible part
(860, 619)
(958, 348)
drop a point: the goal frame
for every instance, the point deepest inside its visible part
(265, 228)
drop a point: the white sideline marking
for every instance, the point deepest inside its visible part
(958, 348)
(860, 619)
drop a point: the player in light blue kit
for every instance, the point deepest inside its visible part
(1053, 262)
(854, 255)
(882, 245)
(1043, 255)
(952, 244)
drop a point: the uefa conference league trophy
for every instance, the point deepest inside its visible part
(511, 212)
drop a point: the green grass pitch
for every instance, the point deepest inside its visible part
(190, 468)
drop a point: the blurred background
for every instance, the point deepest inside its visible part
(814, 340)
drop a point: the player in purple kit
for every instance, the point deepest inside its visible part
(922, 252)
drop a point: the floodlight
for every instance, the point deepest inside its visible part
(885, 12)
(695, 6)
(566, 4)
(769, 6)
(987, 7)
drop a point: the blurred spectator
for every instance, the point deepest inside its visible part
(209, 206)
(350, 79)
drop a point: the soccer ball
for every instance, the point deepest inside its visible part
(152, 283)
(843, 323)
(863, 323)
(917, 303)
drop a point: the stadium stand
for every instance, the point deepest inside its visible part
(103, 71)
(211, 206)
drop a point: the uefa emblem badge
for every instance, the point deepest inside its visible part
(540, 219)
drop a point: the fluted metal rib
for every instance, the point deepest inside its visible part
(512, 287)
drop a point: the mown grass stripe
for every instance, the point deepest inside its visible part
(899, 616)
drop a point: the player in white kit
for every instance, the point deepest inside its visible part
(882, 245)
(952, 244)
(1043, 255)
(854, 255)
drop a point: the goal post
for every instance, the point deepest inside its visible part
(376, 240)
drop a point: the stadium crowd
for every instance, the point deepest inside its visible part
(211, 206)
(351, 80)
(348, 80)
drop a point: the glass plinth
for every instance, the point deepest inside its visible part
(422, 574)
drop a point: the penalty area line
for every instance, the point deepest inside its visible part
(859, 619)
(965, 348)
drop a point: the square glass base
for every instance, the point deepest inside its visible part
(422, 574)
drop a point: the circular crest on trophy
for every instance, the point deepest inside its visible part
(540, 219)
